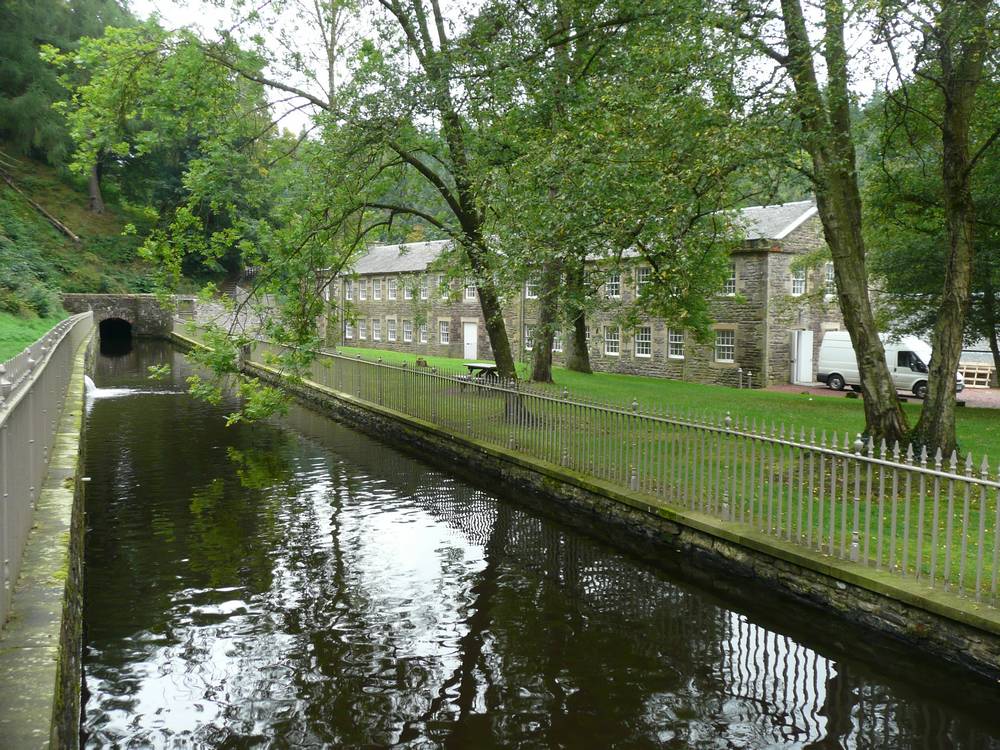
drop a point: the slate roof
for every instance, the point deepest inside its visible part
(775, 222)
(761, 223)
(412, 256)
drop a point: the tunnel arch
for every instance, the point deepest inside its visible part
(115, 336)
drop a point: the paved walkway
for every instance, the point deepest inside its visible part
(977, 398)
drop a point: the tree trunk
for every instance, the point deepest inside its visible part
(826, 126)
(995, 350)
(548, 299)
(990, 324)
(96, 201)
(961, 31)
(577, 349)
(548, 312)
(496, 329)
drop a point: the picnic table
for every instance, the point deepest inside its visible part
(482, 369)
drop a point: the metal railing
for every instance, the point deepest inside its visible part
(33, 387)
(932, 519)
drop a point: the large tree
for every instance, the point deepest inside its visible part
(949, 43)
(779, 32)
(909, 228)
(622, 138)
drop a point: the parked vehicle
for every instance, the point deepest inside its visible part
(907, 358)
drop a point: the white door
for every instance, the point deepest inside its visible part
(470, 340)
(802, 357)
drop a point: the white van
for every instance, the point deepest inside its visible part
(907, 358)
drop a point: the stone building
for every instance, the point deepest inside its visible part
(769, 317)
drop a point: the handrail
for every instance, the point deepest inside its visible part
(33, 387)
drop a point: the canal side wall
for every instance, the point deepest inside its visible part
(956, 629)
(42, 643)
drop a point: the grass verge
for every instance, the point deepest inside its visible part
(978, 429)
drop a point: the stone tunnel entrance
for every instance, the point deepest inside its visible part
(116, 337)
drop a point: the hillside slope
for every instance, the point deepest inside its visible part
(37, 261)
(35, 258)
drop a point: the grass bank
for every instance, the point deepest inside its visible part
(17, 332)
(978, 429)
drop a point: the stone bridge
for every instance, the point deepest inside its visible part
(142, 312)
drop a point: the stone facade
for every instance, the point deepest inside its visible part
(419, 313)
(392, 295)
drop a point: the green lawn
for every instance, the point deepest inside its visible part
(16, 333)
(978, 429)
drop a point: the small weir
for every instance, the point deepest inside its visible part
(299, 584)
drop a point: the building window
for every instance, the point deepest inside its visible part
(348, 289)
(642, 277)
(377, 289)
(442, 286)
(531, 288)
(557, 342)
(675, 344)
(612, 340)
(424, 287)
(363, 289)
(348, 331)
(729, 288)
(390, 288)
(407, 331)
(407, 290)
(529, 337)
(831, 280)
(470, 289)
(423, 333)
(376, 330)
(362, 329)
(725, 346)
(326, 292)
(798, 281)
(613, 286)
(643, 342)
(390, 330)
(444, 332)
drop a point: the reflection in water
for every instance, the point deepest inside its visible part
(300, 585)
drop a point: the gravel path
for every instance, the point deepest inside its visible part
(976, 398)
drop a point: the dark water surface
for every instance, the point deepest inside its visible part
(302, 585)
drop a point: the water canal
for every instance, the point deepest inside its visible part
(298, 584)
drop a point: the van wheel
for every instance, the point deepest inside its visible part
(835, 381)
(920, 389)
